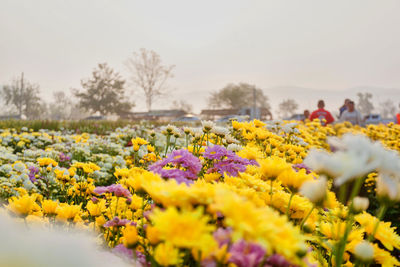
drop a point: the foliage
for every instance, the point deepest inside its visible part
(237, 96)
(104, 92)
(287, 108)
(364, 104)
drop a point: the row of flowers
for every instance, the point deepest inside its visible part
(249, 194)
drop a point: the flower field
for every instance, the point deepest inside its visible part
(246, 194)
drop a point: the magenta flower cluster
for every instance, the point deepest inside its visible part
(116, 221)
(184, 166)
(226, 161)
(245, 254)
(117, 189)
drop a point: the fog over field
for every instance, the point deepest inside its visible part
(304, 50)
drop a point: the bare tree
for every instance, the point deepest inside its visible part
(364, 104)
(387, 108)
(287, 108)
(149, 74)
(24, 96)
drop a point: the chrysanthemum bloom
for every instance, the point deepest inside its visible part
(47, 162)
(166, 254)
(185, 229)
(215, 152)
(183, 165)
(245, 254)
(117, 189)
(23, 205)
(130, 236)
(226, 161)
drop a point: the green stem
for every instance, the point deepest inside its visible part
(381, 212)
(290, 202)
(305, 218)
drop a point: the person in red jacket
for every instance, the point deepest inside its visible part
(322, 114)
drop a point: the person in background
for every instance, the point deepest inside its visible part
(344, 107)
(351, 115)
(322, 114)
(306, 114)
(398, 118)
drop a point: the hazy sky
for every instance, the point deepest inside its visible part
(308, 43)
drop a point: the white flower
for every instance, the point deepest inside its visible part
(19, 166)
(220, 131)
(207, 125)
(231, 140)
(234, 147)
(364, 251)
(314, 190)
(354, 157)
(43, 247)
(360, 204)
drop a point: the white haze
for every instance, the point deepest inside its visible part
(327, 47)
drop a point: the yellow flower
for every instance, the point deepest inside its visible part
(272, 167)
(67, 212)
(130, 236)
(49, 206)
(185, 228)
(294, 179)
(23, 205)
(166, 254)
(152, 234)
(385, 233)
(214, 176)
(96, 209)
(47, 162)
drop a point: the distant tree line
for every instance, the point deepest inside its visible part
(105, 92)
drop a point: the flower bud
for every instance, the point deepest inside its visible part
(360, 204)
(364, 251)
(314, 190)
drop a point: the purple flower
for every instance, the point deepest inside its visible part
(226, 161)
(215, 152)
(32, 173)
(122, 250)
(94, 200)
(117, 189)
(63, 157)
(185, 166)
(117, 222)
(277, 260)
(245, 254)
(222, 236)
(300, 166)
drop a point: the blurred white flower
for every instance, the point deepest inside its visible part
(207, 125)
(360, 204)
(314, 190)
(364, 251)
(37, 246)
(354, 156)
(234, 147)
